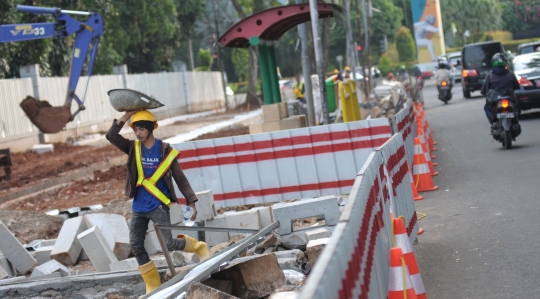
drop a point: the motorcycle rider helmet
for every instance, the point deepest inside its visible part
(442, 63)
(499, 60)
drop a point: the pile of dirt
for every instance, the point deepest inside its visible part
(242, 130)
(29, 225)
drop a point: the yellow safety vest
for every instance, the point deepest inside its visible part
(150, 183)
(298, 90)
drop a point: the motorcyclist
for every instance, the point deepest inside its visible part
(500, 79)
(443, 74)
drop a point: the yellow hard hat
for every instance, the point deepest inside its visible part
(144, 115)
(336, 71)
(348, 69)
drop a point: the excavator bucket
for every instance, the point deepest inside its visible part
(47, 118)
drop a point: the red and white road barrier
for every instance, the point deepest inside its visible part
(404, 122)
(282, 165)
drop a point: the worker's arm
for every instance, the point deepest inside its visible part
(113, 135)
(185, 187)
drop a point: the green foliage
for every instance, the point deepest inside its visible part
(405, 45)
(385, 23)
(520, 15)
(385, 65)
(204, 60)
(393, 53)
(240, 60)
(477, 16)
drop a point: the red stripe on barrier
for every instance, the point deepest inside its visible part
(412, 223)
(297, 140)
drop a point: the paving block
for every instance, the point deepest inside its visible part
(176, 214)
(99, 252)
(47, 243)
(319, 233)
(50, 267)
(301, 118)
(125, 265)
(13, 250)
(295, 253)
(314, 249)
(114, 229)
(254, 276)
(290, 123)
(266, 215)
(67, 248)
(286, 213)
(43, 254)
(198, 290)
(12, 280)
(4, 263)
(3, 273)
(151, 243)
(83, 257)
(250, 219)
(274, 112)
(205, 206)
(214, 238)
(45, 276)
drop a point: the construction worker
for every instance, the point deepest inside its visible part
(347, 72)
(299, 90)
(152, 165)
(337, 76)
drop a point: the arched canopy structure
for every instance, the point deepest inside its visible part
(272, 23)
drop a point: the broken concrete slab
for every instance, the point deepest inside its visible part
(43, 254)
(218, 247)
(45, 276)
(271, 240)
(13, 250)
(214, 238)
(50, 267)
(250, 219)
(290, 264)
(295, 253)
(178, 258)
(114, 229)
(223, 285)
(319, 233)
(67, 248)
(190, 258)
(248, 279)
(125, 265)
(314, 249)
(293, 241)
(198, 290)
(285, 213)
(205, 206)
(3, 273)
(12, 280)
(95, 245)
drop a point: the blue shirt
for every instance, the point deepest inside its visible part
(144, 201)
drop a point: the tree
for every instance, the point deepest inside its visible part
(385, 23)
(405, 45)
(520, 15)
(385, 64)
(477, 16)
(204, 60)
(240, 59)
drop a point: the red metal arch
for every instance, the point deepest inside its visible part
(272, 23)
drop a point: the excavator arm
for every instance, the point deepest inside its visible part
(87, 35)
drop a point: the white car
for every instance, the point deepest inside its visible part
(454, 60)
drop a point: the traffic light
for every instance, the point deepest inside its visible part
(358, 48)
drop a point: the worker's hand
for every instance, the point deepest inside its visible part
(127, 116)
(192, 206)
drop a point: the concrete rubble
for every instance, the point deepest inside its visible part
(103, 239)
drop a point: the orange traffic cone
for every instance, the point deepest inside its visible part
(429, 138)
(399, 285)
(430, 132)
(413, 187)
(421, 171)
(428, 154)
(401, 239)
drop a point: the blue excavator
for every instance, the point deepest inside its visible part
(87, 35)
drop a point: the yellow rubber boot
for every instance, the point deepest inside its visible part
(150, 276)
(192, 245)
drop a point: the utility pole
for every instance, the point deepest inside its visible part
(219, 60)
(368, 53)
(191, 60)
(350, 45)
(319, 58)
(366, 83)
(306, 70)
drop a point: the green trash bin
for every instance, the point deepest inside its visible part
(331, 94)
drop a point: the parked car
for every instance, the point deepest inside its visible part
(428, 69)
(476, 64)
(527, 70)
(528, 48)
(454, 60)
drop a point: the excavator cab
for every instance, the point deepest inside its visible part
(43, 115)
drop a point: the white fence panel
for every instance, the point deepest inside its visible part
(13, 121)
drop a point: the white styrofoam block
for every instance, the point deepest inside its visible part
(205, 206)
(285, 213)
(67, 248)
(97, 249)
(43, 254)
(42, 148)
(114, 229)
(213, 238)
(13, 250)
(266, 215)
(250, 219)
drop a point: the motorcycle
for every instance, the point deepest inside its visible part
(445, 91)
(505, 126)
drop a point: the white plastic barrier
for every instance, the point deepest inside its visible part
(355, 262)
(282, 165)
(404, 122)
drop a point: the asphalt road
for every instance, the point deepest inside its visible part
(481, 238)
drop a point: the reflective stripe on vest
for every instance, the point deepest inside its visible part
(150, 184)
